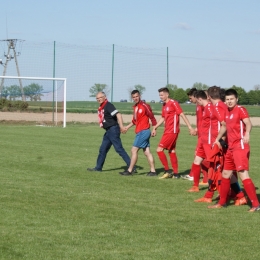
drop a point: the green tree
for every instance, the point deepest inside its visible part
(242, 95)
(200, 86)
(14, 91)
(171, 86)
(180, 95)
(4, 92)
(98, 88)
(140, 88)
(33, 92)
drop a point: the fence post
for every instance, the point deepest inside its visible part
(112, 83)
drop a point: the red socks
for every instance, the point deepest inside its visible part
(174, 162)
(224, 190)
(250, 190)
(163, 160)
(195, 171)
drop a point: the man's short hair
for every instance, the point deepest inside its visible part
(231, 92)
(201, 94)
(166, 90)
(192, 92)
(135, 91)
(214, 92)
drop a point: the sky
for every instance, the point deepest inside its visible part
(216, 42)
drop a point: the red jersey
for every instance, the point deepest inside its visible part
(142, 114)
(171, 113)
(209, 125)
(218, 116)
(199, 113)
(236, 127)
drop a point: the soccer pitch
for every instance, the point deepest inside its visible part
(52, 208)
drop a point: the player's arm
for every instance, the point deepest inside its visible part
(160, 121)
(129, 126)
(221, 133)
(149, 113)
(248, 125)
(187, 122)
(120, 122)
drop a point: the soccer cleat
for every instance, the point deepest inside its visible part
(167, 174)
(93, 170)
(194, 189)
(126, 173)
(134, 170)
(216, 206)
(187, 177)
(151, 174)
(203, 183)
(176, 176)
(242, 201)
(203, 199)
(254, 209)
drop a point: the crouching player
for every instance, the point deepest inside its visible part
(238, 127)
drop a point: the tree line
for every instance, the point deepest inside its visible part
(32, 92)
(251, 97)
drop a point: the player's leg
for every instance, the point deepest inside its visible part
(114, 137)
(134, 157)
(103, 150)
(150, 160)
(195, 170)
(241, 160)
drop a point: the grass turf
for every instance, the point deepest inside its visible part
(52, 208)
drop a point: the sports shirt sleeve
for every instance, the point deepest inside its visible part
(149, 113)
(243, 113)
(111, 109)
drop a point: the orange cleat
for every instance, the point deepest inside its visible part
(203, 183)
(203, 199)
(216, 206)
(242, 201)
(194, 189)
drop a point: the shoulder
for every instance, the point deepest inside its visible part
(243, 111)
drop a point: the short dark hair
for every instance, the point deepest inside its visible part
(214, 92)
(231, 92)
(135, 91)
(201, 94)
(192, 92)
(163, 90)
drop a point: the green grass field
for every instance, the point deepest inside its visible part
(52, 208)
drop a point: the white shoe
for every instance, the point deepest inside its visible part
(187, 177)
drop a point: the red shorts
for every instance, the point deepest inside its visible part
(237, 160)
(168, 141)
(202, 149)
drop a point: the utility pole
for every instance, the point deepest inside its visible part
(11, 46)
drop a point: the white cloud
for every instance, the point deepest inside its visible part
(182, 26)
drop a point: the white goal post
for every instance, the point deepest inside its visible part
(10, 84)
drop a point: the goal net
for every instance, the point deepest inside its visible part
(33, 99)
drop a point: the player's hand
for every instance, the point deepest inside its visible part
(153, 134)
(246, 138)
(217, 143)
(122, 130)
(192, 131)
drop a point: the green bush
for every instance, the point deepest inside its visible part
(8, 105)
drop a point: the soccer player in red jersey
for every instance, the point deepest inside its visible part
(142, 114)
(171, 111)
(199, 111)
(205, 142)
(219, 111)
(237, 127)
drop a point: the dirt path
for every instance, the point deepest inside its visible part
(74, 117)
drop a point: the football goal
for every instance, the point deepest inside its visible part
(33, 99)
